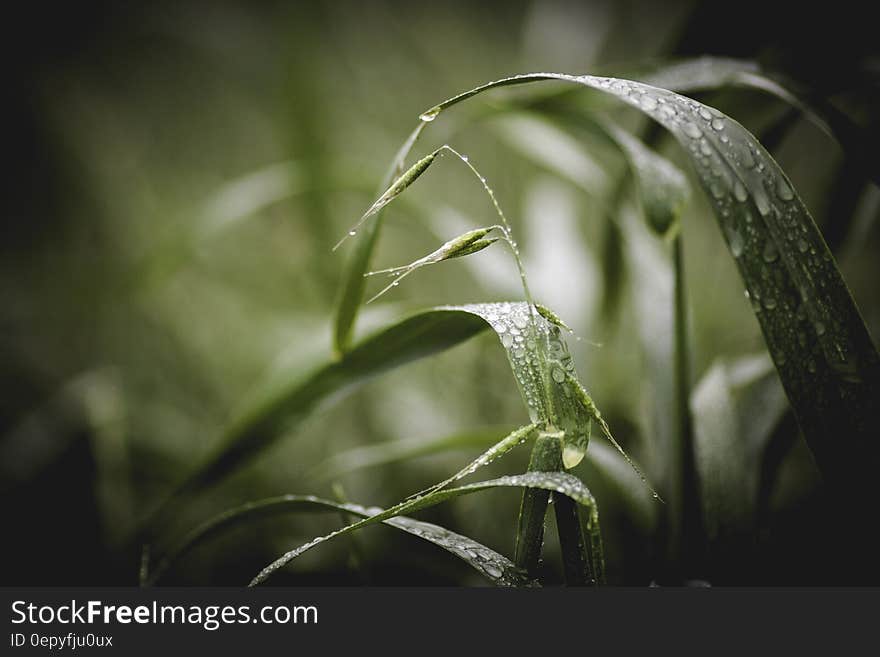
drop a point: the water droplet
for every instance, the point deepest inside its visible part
(352, 233)
(649, 103)
(492, 570)
(802, 245)
(762, 203)
(705, 113)
(811, 366)
(691, 130)
(465, 158)
(717, 124)
(558, 375)
(739, 191)
(783, 189)
(820, 328)
(736, 243)
(770, 253)
(430, 115)
(571, 456)
(507, 340)
(769, 303)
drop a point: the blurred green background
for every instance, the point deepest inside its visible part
(179, 172)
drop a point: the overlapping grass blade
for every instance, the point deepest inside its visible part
(492, 565)
(284, 404)
(556, 482)
(353, 283)
(706, 73)
(662, 187)
(827, 362)
(736, 406)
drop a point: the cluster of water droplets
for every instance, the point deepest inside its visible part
(556, 482)
(780, 251)
(493, 565)
(543, 368)
(496, 567)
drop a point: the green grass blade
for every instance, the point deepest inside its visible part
(546, 457)
(351, 293)
(736, 405)
(281, 406)
(386, 453)
(828, 365)
(492, 565)
(557, 482)
(707, 73)
(602, 462)
(499, 449)
(543, 381)
(662, 187)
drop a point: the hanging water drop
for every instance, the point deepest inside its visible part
(571, 456)
(783, 189)
(762, 203)
(430, 115)
(770, 253)
(736, 243)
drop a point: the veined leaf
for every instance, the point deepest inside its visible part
(492, 565)
(557, 482)
(826, 360)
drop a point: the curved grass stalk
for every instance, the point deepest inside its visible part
(495, 452)
(555, 482)
(492, 565)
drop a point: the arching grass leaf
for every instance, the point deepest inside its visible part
(826, 360)
(282, 405)
(557, 482)
(351, 292)
(706, 73)
(492, 565)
